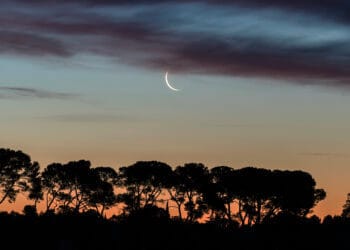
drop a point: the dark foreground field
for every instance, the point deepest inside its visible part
(83, 232)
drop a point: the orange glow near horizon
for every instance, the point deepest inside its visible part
(335, 184)
(321, 210)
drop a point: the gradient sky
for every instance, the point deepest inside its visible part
(263, 84)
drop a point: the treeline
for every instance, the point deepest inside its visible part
(160, 207)
(188, 193)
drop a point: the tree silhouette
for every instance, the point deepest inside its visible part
(17, 174)
(107, 174)
(35, 187)
(296, 192)
(78, 184)
(262, 194)
(254, 192)
(194, 179)
(67, 186)
(101, 195)
(176, 192)
(53, 179)
(248, 196)
(144, 182)
(346, 208)
(221, 193)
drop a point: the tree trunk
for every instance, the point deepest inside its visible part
(258, 216)
(229, 211)
(3, 198)
(179, 210)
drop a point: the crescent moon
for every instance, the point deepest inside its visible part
(168, 84)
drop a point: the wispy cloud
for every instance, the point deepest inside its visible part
(90, 117)
(320, 154)
(25, 43)
(335, 9)
(298, 40)
(22, 92)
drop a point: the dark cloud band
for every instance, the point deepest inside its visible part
(22, 92)
(136, 39)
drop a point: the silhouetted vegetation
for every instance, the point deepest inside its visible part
(158, 207)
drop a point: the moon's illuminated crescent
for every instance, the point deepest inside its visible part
(168, 84)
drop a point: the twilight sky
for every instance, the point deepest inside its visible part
(263, 84)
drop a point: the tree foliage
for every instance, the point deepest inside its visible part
(246, 196)
(194, 180)
(76, 187)
(144, 182)
(17, 174)
(346, 208)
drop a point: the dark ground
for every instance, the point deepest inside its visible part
(81, 232)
